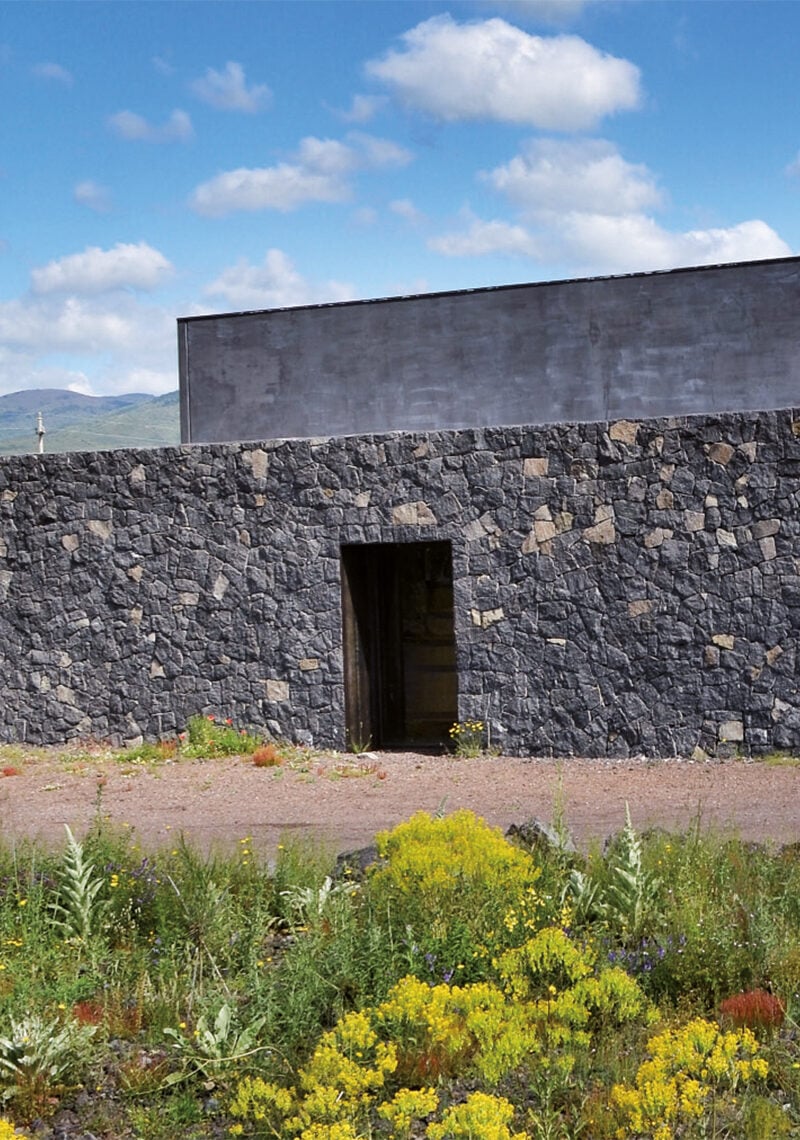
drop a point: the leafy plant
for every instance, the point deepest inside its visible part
(312, 906)
(37, 1055)
(623, 896)
(208, 737)
(79, 902)
(213, 1046)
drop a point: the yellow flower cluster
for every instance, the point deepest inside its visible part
(457, 874)
(688, 1069)
(481, 1115)
(467, 737)
(552, 1001)
(9, 1132)
(406, 1106)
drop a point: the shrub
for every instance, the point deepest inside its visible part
(208, 737)
(457, 891)
(692, 1070)
(754, 1009)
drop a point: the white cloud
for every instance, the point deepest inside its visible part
(53, 71)
(405, 208)
(365, 216)
(613, 244)
(98, 270)
(319, 172)
(492, 70)
(91, 194)
(363, 109)
(283, 187)
(45, 341)
(379, 153)
(275, 283)
(480, 238)
(128, 125)
(162, 65)
(589, 174)
(586, 206)
(55, 324)
(228, 91)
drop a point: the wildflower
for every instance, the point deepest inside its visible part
(22, 902)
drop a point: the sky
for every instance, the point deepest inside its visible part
(163, 159)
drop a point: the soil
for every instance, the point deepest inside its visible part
(342, 801)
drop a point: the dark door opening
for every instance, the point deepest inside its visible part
(401, 685)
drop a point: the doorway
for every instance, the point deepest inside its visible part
(401, 683)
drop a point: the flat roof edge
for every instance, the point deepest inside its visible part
(793, 259)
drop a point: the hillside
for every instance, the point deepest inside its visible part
(87, 423)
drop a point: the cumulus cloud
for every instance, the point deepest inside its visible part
(91, 194)
(584, 205)
(319, 172)
(128, 125)
(53, 71)
(98, 270)
(377, 153)
(583, 175)
(620, 244)
(480, 237)
(46, 340)
(363, 109)
(492, 70)
(275, 283)
(74, 324)
(228, 91)
(405, 208)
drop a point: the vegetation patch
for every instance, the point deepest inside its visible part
(462, 988)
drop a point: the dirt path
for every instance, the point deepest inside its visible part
(344, 800)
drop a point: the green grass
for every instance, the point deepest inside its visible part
(166, 980)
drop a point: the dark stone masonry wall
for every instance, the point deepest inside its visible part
(620, 589)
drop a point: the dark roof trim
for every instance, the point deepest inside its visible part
(793, 260)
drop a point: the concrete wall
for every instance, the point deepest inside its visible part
(689, 341)
(620, 588)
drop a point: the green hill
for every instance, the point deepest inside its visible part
(87, 423)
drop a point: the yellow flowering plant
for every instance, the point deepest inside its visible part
(693, 1072)
(480, 1117)
(456, 890)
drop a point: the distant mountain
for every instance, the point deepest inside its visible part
(87, 423)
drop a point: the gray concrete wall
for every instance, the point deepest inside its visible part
(620, 588)
(688, 341)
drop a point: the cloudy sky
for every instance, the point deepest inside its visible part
(166, 159)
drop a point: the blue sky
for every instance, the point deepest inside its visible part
(164, 159)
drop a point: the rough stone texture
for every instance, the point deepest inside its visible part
(592, 617)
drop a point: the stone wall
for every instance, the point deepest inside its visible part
(620, 589)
